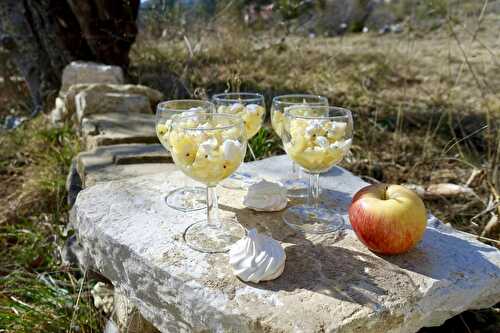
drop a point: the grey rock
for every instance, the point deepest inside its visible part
(154, 96)
(89, 72)
(118, 128)
(73, 183)
(128, 318)
(330, 282)
(92, 102)
(93, 164)
(73, 254)
(126, 171)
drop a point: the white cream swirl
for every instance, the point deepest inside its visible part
(257, 258)
(266, 196)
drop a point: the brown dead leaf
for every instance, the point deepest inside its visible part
(448, 190)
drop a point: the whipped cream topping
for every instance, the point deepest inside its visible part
(322, 141)
(192, 112)
(252, 108)
(207, 147)
(345, 145)
(315, 127)
(257, 258)
(266, 196)
(236, 107)
(231, 149)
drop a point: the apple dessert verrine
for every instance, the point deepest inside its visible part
(209, 147)
(294, 181)
(185, 198)
(250, 107)
(316, 141)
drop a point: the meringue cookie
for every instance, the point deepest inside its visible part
(257, 258)
(231, 149)
(266, 196)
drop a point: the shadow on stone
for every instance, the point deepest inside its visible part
(440, 253)
(330, 270)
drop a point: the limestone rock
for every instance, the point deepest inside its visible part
(89, 72)
(65, 106)
(128, 317)
(117, 128)
(92, 166)
(330, 282)
(153, 95)
(91, 102)
(73, 183)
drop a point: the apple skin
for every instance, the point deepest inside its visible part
(388, 219)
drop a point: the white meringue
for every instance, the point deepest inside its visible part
(231, 149)
(252, 108)
(257, 258)
(321, 141)
(266, 196)
(345, 145)
(236, 107)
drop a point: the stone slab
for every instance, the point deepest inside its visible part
(127, 171)
(92, 164)
(330, 283)
(90, 72)
(118, 128)
(92, 102)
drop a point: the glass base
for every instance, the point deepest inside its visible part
(239, 181)
(296, 187)
(313, 220)
(187, 199)
(206, 238)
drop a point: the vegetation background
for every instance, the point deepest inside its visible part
(422, 77)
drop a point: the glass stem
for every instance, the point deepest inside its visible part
(313, 193)
(212, 208)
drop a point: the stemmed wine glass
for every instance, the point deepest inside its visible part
(294, 182)
(185, 198)
(250, 107)
(209, 147)
(316, 139)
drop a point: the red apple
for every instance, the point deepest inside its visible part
(388, 219)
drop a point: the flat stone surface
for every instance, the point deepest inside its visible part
(91, 165)
(117, 128)
(92, 102)
(127, 171)
(330, 283)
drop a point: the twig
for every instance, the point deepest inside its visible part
(465, 138)
(75, 308)
(465, 324)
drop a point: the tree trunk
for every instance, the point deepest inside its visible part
(43, 36)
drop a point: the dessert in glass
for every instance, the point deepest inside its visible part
(250, 107)
(316, 141)
(294, 181)
(209, 147)
(185, 198)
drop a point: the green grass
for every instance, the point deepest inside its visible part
(38, 293)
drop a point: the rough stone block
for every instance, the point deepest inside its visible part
(153, 95)
(331, 283)
(91, 102)
(90, 72)
(118, 128)
(92, 166)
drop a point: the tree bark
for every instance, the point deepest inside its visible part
(43, 36)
